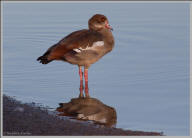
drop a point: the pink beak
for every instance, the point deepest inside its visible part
(108, 26)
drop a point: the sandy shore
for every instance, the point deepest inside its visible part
(32, 120)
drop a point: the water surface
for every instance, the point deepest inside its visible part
(145, 78)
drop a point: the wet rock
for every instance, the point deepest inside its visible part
(34, 121)
(19, 109)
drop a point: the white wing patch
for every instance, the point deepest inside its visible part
(95, 45)
(77, 50)
(103, 120)
(98, 43)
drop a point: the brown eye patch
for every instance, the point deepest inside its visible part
(100, 20)
(103, 19)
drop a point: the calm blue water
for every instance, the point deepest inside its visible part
(145, 78)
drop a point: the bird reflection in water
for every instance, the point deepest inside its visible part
(89, 109)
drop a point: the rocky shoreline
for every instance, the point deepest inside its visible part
(29, 119)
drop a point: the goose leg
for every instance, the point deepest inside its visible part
(81, 82)
(86, 82)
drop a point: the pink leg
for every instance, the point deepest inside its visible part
(86, 83)
(81, 82)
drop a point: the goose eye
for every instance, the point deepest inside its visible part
(102, 19)
(98, 21)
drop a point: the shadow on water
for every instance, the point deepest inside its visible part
(89, 109)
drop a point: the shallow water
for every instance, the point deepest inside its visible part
(145, 78)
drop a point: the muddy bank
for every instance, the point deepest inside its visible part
(31, 119)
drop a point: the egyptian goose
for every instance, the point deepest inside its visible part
(83, 47)
(89, 109)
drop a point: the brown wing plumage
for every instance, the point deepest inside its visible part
(77, 39)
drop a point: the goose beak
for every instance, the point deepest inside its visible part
(108, 26)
